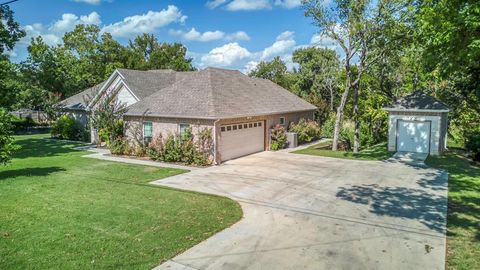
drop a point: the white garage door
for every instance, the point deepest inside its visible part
(238, 140)
(413, 136)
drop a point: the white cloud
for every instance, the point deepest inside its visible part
(194, 35)
(236, 5)
(225, 55)
(69, 21)
(233, 55)
(288, 3)
(146, 23)
(284, 43)
(215, 3)
(251, 65)
(240, 35)
(52, 35)
(90, 2)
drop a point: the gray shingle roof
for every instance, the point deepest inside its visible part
(218, 93)
(418, 101)
(77, 102)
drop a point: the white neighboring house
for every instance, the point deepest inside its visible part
(418, 123)
(239, 110)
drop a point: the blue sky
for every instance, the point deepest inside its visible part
(233, 34)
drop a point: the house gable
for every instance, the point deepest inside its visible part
(117, 87)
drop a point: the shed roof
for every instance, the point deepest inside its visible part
(417, 101)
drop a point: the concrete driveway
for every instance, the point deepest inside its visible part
(307, 212)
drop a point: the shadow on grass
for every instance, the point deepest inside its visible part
(408, 203)
(37, 147)
(40, 171)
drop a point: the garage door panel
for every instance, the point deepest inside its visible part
(413, 136)
(241, 142)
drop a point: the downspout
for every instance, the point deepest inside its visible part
(215, 162)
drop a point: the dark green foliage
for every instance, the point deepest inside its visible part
(278, 138)
(275, 71)
(22, 124)
(307, 130)
(472, 142)
(68, 129)
(10, 30)
(7, 145)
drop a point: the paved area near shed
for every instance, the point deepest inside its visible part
(309, 212)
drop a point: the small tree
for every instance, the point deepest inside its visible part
(7, 146)
(107, 117)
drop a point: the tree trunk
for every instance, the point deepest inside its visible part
(356, 135)
(341, 106)
(331, 96)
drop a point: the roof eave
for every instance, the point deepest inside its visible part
(216, 118)
(413, 110)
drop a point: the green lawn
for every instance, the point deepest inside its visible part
(377, 152)
(463, 223)
(62, 211)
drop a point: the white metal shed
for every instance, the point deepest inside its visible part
(417, 123)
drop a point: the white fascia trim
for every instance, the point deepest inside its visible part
(413, 110)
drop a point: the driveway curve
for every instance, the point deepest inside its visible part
(308, 212)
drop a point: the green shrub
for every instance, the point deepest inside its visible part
(472, 142)
(173, 150)
(67, 128)
(278, 138)
(22, 124)
(7, 143)
(111, 132)
(119, 146)
(307, 130)
(328, 127)
(188, 148)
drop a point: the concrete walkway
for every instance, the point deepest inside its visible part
(308, 212)
(410, 158)
(104, 154)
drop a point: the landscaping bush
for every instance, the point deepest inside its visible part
(278, 138)
(328, 127)
(7, 143)
(188, 148)
(307, 130)
(67, 128)
(119, 146)
(472, 143)
(22, 124)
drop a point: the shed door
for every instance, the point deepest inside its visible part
(413, 136)
(238, 140)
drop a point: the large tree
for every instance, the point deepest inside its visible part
(449, 32)
(356, 26)
(274, 70)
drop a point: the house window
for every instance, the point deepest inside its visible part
(259, 124)
(222, 129)
(240, 126)
(245, 125)
(282, 120)
(147, 131)
(183, 129)
(229, 128)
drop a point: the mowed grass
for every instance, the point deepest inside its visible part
(463, 222)
(62, 211)
(377, 152)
